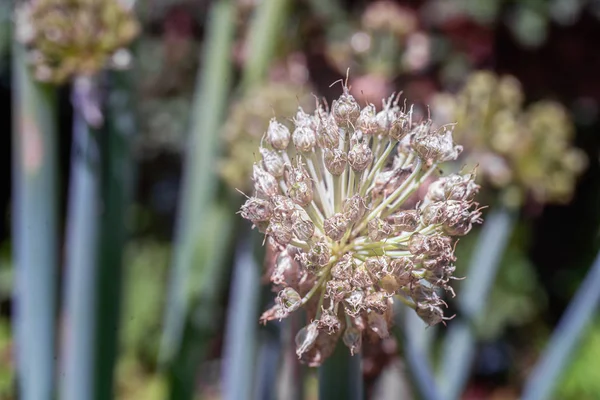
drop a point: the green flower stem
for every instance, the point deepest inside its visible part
(340, 376)
(560, 348)
(34, 229)
(459, 346)
(199, 178)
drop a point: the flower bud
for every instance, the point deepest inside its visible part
(354, 208)
(360, 156)
(306, 338)
(353, 339)
(378, 324)
(434, 146)
(256, 210)
(278, 135)
(345, 110)
(367, 121)
(335, 161)
(335, 226)
(265, 184)
(319, 254)
(272, 162)
(289, 299)
(304, 139)
(344, 268)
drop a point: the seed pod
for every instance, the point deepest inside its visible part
(360, 156)
(354, 208)
(431, 315)
(353, 339)
(367, 121)
(377, 302)
(299, 185)
(376, 266)
(378, 324)
(329, 322)
(304, 139)
(434, 146)
(361, 277)
(319, 254)
(278, 135)
(289, 299)
(401, 125)
(379, 229)
(354, 302)
(401, 268)
(283, 272)
(404, 221)
(328, 135)
(343, 269)
(280, 232)
(335, 161)
(302, 226)
(345, 110)
(265, 184)
(256, 210)
(389, 284)
(335, 226)
(275, 312)
(306, 338)
(272, 162)
(337, 290)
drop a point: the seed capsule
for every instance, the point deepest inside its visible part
(265, 184)
(256, 210)
(278, 135)
(289, 299)
(335, 226)
(272, 162)
(367, 121)
(345, 110)
(360, 156)
(306, 338)
(335, 161)
(353, 339)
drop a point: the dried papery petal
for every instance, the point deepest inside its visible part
(285, 269)
(306, 338)
(353, 339)
(354, 302)
(280, 232)
(376, 266)
(278, 135)
(335, 226)
(289, 299)
(401, 269)
(256, 210)
(361, 277)
(377, 302)
(360, 156)
(337, 290)
(272, 162)
(275, 312)
(401, 125)
(335, 161)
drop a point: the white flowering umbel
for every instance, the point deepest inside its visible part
(331, 197)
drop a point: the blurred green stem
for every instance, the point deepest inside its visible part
(560, 348)
(199, 176)
(459, 345)
(340, 376)
(34, 230)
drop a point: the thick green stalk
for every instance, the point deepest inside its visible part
(459, 345)
(340, 377)
(35, 231)
(265, 31)
(560, 348)
(199, 177)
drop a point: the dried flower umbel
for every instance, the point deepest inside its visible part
(68, 38)
(346, 246)
(525, 151)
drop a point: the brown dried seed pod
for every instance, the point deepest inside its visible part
(278, 135)
(335, 161)
(360, 156)
(335, 226)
